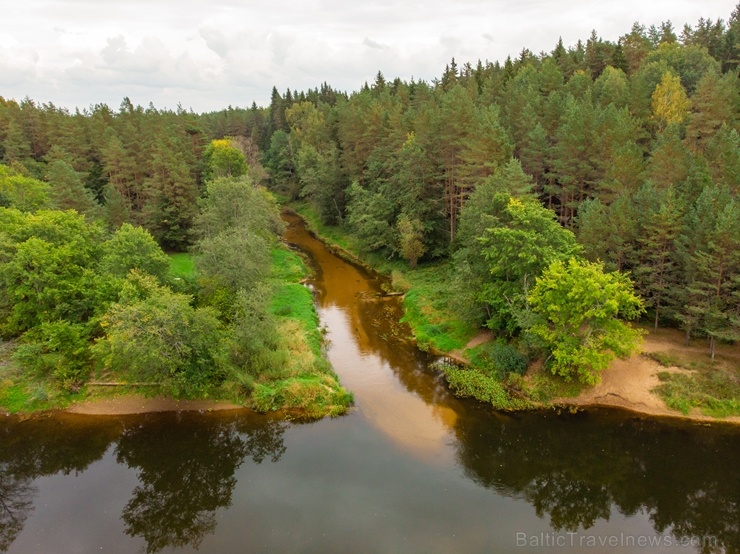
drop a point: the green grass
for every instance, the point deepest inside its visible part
(308, 395)
(663, 358)
(182, 265)
(429, 312)
(286, 265)
(714, 393)
(29, 396)
(290, 299)
(294, 301)
(305, 384)
(545, 387)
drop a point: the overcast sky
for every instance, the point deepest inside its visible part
(208, 55)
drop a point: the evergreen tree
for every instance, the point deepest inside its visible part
(713, 105)
(710, 249)
(68, 191)
(657, 276)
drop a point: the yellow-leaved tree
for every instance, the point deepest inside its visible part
(670, 102)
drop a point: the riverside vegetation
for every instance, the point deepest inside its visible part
(231, 321)
(548, 199)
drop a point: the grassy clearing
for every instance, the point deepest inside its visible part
(711, 388)
(182, 265)
(429, 312)
(714, 393)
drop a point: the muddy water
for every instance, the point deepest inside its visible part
(372, 354)
(412, 469)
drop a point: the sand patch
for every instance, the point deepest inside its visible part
(629, 383)
(136, 404)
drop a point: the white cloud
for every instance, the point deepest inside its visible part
(373, 44)
(209, 55)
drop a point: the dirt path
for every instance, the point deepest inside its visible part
(134, 404)
(480, 338)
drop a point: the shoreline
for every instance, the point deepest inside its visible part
(135, 404)
(625, 384)
(629, 383)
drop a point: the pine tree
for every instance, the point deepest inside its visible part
(68, 191)
(723, 155)
(657, 274)
(710, 250)
(713, 105)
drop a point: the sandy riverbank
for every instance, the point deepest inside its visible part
(629, 383)
(136, 404)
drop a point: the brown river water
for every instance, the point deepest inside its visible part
(411, 469)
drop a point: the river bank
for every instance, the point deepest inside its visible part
(628, 384)
(297, 382)
(631, 383)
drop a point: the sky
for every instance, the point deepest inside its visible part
(206, 56)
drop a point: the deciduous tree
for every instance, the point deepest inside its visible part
(580, 306)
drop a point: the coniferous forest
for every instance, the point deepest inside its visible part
(555, 194)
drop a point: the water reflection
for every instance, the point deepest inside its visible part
(16, 504)
(185, 465)
(30, 449)
(575, 469)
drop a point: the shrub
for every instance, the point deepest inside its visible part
(469, 382)
(508, 359)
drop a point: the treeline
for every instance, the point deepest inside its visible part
(633, 145)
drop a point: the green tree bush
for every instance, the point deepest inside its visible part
(578, 306)
(156, 336)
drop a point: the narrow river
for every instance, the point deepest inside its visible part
(411, 469)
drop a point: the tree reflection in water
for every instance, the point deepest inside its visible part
(30, 449)
(575, 469)
(16, 504)
(186, 465)
(186, 473)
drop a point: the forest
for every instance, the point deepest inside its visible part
(554, 196)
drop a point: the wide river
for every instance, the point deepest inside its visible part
(411, 469)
